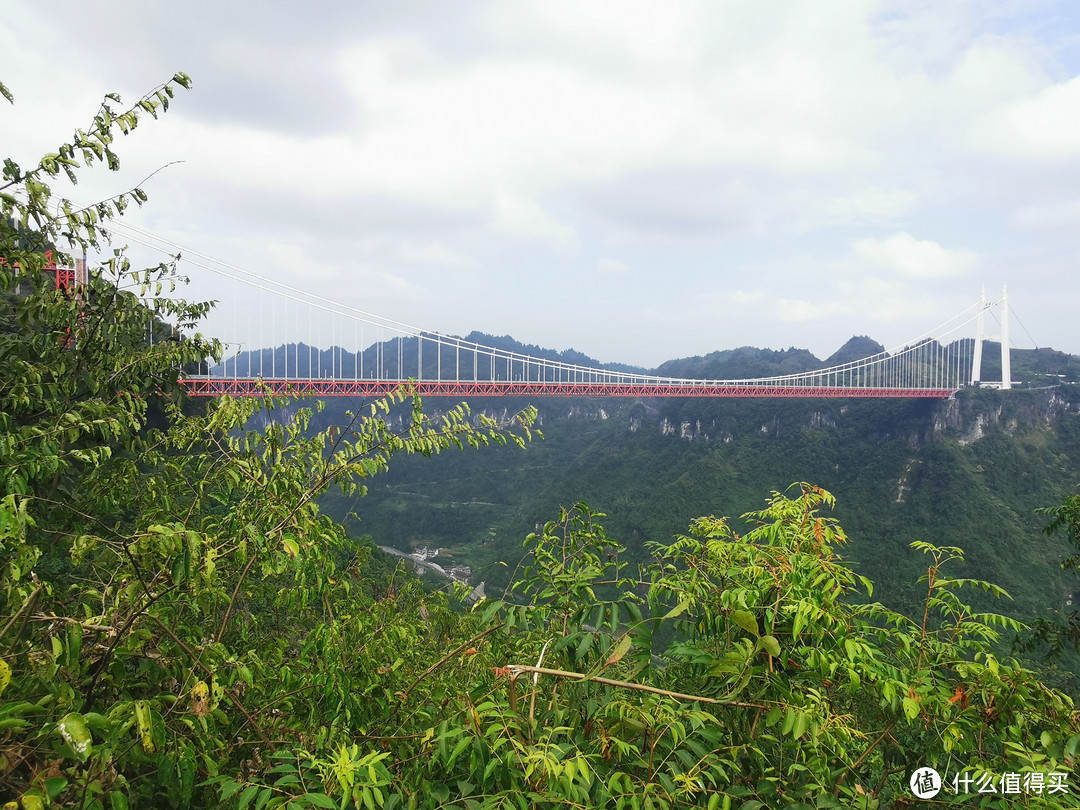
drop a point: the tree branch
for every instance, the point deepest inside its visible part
(448, 656)
(519, 669)
(233, 699)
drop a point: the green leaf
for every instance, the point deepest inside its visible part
(490, 609)
(678, 610)
(145, 724)
(55, 786)
(619, 650)
(1072, 747)
(74, 644)
(770, 644)
(868, 584)
(746, 620)
(33, 799)
(802, 723)
(178, 569)
(797, 623)
(247, 796)
(229, 787)
(292, 548)
(72, 728)
(789, 722)
(264, 797)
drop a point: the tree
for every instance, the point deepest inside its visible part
(166, 594)
(1057, 636)
(737, 671)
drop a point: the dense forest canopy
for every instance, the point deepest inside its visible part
(974, 469)
(181, 626)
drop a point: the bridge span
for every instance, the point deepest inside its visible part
(221, 386)
(271, 331)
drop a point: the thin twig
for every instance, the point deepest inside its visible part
(99, 668)
(448, 656)
(27, 605)
(228, 692)
(96, 628)
(519, 669)
(232, 599)
(536, 681)
(869, 749)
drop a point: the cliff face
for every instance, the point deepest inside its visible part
(969, 472)
(969, 418)
(965, 418)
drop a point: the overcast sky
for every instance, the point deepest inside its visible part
(636, 180)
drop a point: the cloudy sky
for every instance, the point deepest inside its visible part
(637, 180)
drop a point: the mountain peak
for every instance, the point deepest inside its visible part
(857, 347)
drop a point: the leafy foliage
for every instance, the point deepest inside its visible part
(1060, 634)
(774, 688)
(181, 626)
(158, 583)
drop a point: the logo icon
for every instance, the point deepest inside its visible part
(925, 783)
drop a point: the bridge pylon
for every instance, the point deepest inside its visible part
(980, 336)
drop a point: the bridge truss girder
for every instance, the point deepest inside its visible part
(222, 386)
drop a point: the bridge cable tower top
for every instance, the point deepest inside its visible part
(980, 336)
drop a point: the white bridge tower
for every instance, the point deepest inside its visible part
(980, 336)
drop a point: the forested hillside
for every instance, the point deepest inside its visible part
(971, 471)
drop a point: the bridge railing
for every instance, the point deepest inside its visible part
(433, 357)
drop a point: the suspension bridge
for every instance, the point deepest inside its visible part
(350, 352)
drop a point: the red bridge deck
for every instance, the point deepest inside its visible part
(217, 386)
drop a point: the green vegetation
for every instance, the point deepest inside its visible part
(972, 471)
(1056, 636)
(181, 626)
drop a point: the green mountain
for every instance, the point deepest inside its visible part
(386, 358)
(969, 472)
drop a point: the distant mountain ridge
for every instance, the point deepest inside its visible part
(1030, 367)
(300, 360)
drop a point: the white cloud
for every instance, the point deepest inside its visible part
(519, 216)
(1060, 214)
(866, 205)
(905, 255)
(1040, 127)
(612, 267)
(743, 298)
(801, 310)
(433, 254)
